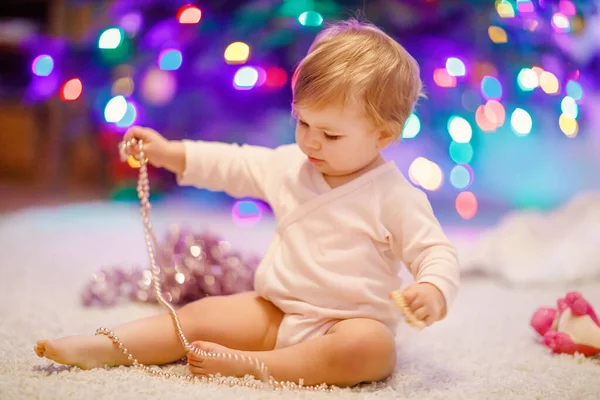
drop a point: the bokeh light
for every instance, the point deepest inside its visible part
(310, 18)
(505, 9)
(246, 213)
(170, 60)
(237, 53)
(115, 109)
(158, 87)
(574, 90)
(455, 67)
(460, 130)
(527, 79)
(443, 79)
(567, 7)
(497, 34)
(461, 176)
(42, 65)
(245, 78)
(426, 173)
(495, 113)
(111, 38)
(491, 87)
(568, 126)
(71, 89)
(276, 77)
(123, 86)
(130, 116)
(569, 107)
(189, 14)
(560, 22)
(525, 6)
(521, 122)
(482, 120)
(131, 23)
(461, 153)
(412, 127)
(549, 82)
(466, 205)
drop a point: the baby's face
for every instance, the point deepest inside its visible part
(338, 141)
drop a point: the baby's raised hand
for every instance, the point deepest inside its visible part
(425, 301)
(159, 151)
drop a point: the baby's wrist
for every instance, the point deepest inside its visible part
(440, 295)
(175, 161)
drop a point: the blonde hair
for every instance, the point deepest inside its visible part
(356, 61)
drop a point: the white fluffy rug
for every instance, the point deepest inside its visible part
(484, 350)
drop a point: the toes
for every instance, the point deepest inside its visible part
(40, 348)
(197, 371)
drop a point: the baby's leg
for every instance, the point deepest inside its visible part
(353, 351)
(243, 321)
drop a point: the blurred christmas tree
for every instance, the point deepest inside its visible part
(201, 70)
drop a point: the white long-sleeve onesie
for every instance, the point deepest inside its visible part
(336, 252)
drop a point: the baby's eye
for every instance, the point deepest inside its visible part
(331, 137)
(303, 123)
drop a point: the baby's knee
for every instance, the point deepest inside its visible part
(367, 349)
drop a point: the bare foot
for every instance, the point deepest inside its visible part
(85, 352)
(237, 366)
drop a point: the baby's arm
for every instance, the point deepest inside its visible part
(417, 239)
(240, 171)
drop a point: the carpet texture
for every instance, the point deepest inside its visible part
(485, 349)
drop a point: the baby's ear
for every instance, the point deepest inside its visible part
(385, 138)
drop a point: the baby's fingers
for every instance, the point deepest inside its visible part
(137, 133)
(422, 313)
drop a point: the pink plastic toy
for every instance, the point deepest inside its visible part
(571, 328)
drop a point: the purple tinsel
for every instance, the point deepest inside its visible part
(192, 266)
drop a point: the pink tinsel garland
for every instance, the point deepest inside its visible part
(192, 266)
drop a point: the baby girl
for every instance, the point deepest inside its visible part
(347, 220)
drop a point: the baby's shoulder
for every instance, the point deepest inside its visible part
(395, 191)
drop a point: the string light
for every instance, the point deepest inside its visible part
(466, 205)
(310, 18)
(115, 109)
(245, 78)
(442, 78)
(461, 176)
(549, 82)
(189, 14)
(455, 67)
(237, 53)
(71, 90)
(527, 79)
(497, 34)
(170, 60)
(42, 65)
(505, 9)
(491, 87)
(111, 38)
(412, 127)
(521, 122)
(460, 130)
(425, 173)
